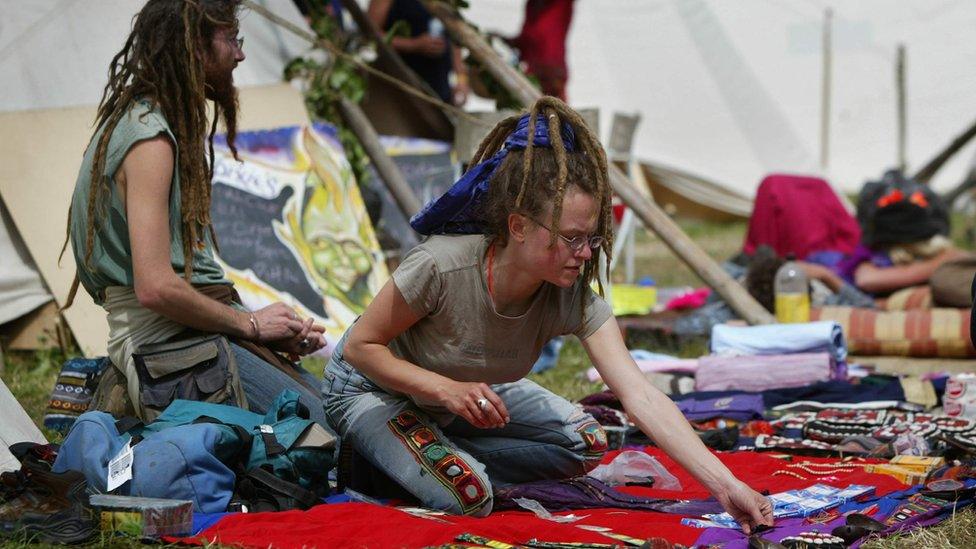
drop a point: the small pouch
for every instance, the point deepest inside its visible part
(197, 368)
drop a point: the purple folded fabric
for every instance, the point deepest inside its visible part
(736, 407)
(589, 493)
(763, 372)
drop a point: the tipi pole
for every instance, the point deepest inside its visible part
(648, 212)
(825, 93)
(388, 170)
(925, 174)
(900, 91)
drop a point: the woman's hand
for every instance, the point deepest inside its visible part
(748, 507)
(475, 402)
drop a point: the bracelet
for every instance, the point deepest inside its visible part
(254, 322)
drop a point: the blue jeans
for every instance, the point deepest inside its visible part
(262, 383)
(453, 467)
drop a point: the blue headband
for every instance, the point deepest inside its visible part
(456, 211)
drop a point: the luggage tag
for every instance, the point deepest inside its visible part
(120, 468)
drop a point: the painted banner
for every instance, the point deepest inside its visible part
(291, 225)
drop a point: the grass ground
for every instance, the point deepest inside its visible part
(30, 376)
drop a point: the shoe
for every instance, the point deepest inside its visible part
(858, 526)
(50, 507)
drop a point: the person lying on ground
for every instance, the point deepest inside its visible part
(429, 384)
(139, 222)
(826, 286)
(887, 271)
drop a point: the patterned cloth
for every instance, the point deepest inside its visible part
(918, 333)
(73, 391)
(458, 211)
(908, 299)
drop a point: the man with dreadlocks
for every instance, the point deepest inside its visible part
(433, 371)
(139, 222)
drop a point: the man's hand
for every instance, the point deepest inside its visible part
(461, 91)
(277, 322)
(311, 338)
(475, 402)
(428, 45)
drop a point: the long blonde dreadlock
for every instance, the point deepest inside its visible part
(531, 181)
(162, 61)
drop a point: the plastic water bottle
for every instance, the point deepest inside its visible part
(792, 293)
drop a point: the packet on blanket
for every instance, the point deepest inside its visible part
(796, 503)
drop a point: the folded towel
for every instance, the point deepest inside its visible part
(763, 372)
(736, 407)
(781, 339)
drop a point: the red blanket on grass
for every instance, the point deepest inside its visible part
(365, 525)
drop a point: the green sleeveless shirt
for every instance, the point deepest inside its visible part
(111, 260)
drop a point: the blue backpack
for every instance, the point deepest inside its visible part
(185, 463)
(196, 450)
(285, 441)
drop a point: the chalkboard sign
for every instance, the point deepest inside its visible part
(291, 225)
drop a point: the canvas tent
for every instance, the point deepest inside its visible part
(46, 110)
(15, 427)
(731, 91)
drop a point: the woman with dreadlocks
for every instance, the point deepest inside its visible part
(139, 222)
(433, 371)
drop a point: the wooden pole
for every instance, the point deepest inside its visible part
(825, 93)
(648, 212)
(928, 171)
(388, 170)
(900, 95)
(967, 184)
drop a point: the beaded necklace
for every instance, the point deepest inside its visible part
(491, 260)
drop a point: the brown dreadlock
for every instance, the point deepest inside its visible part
(163, 61)
(532, 181)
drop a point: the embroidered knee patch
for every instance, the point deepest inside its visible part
(440, 461)
(595, 441)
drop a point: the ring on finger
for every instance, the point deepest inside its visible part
(483, 403)
(303, 344)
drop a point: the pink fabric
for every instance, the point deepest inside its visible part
(761, 372)
(800, 215)
(687, 365)
(690, 300)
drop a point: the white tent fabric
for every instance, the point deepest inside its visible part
(21, 289)
(15, 427)
(731, 91)
(56, 53)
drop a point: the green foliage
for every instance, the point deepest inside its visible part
(504, 99)
(329, 81)
(568, 377)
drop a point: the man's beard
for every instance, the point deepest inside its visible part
(221, 90)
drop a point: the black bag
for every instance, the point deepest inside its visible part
(198, 368)
(898, 210)
(258, 490)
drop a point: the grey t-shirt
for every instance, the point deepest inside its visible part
(460, 335)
